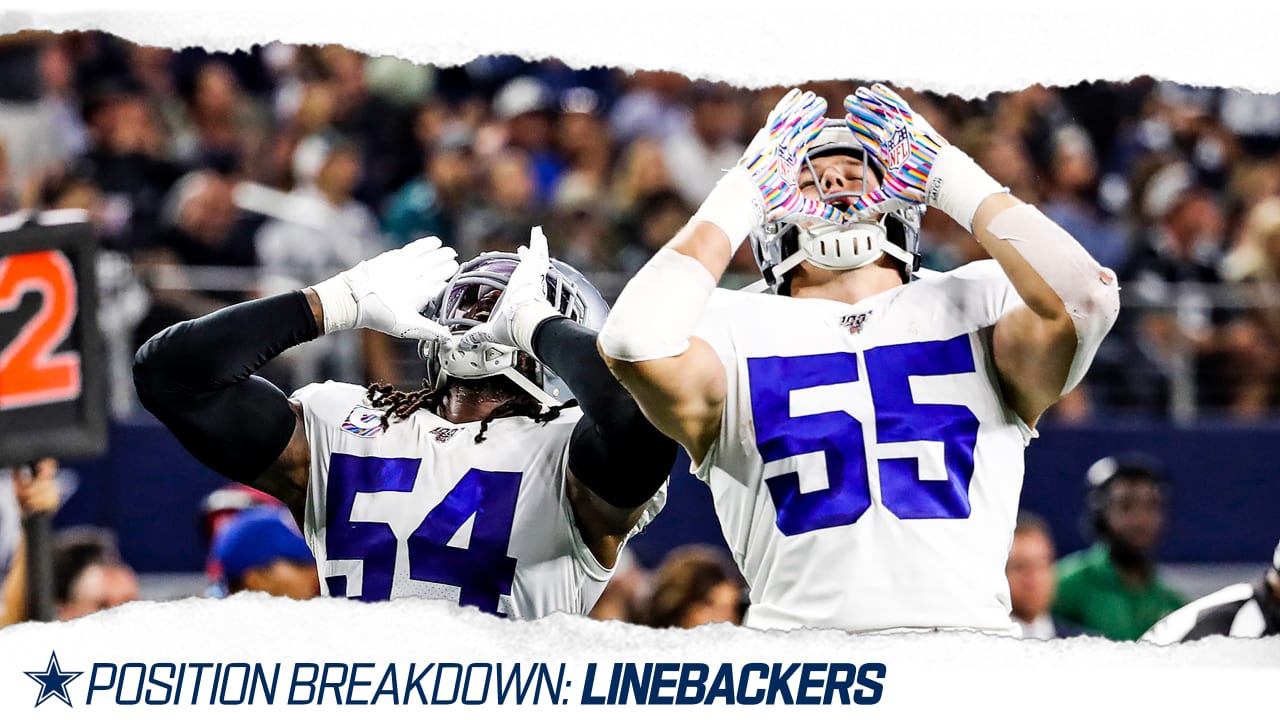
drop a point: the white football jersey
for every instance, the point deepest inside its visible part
(419, 509)
(867, 471)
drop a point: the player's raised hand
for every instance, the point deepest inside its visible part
(772, 160)
(904, 142)
(523, 305)
(915, 158)
(387, 293)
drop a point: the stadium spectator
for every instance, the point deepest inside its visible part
(510, 209)
(694, 586)
(640, 173)
(579, 222)
(216, 510)
(697, 154)
(88, 573)
(222, 128)
(200, 227)
(260, 551)
(582, 138)
(127, 160)
(1032, 581)
(656, 218)
(28, 124)
(122, 299)
(320, 230)
(431, 203)
(650, 107)
(526, 110)
(34, 492)
(1071, 198)
(1254, 263)
(1242, 610)
(1174, 276)
(1113, 588)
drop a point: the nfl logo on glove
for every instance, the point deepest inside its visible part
(898, 148)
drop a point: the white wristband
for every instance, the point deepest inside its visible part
(658, 310)
(734, 205)
(525, 321)
(337, 303)
(957, 186)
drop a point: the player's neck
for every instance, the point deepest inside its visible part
(847, 286)
(465, 404)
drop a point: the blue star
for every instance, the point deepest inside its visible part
(53, 681)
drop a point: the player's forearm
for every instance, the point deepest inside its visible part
(708, 244)
(197, 378)
(1032, 288)
(615, 452)
(1074, 297)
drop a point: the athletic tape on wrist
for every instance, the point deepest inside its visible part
(658, 309)
(525, 321)
(733, 205)
(337, 303)
(957, 186)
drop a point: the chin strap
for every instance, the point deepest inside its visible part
(530, 387)
(791, 261)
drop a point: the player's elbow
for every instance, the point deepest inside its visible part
(621, 344)
(1098, 309)
(152, 376)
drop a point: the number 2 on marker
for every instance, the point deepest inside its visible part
(31, 373)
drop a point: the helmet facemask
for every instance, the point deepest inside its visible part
(462, 305)
(780, 246)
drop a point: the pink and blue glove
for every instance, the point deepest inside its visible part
(773, 159)
(762, 187)
(920, 165)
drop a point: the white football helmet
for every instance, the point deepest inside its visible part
(781, 246)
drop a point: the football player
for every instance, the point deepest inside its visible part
(861, 426)
(480, 488)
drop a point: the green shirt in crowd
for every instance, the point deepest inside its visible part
(1092, 593)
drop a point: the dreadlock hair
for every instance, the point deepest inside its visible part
(400, 404)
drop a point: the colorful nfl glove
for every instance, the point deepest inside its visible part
(774, 156)
(905, 144)
(916, 159)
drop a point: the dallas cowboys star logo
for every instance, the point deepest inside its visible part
(53, 681)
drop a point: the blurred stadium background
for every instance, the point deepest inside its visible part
(211, 178)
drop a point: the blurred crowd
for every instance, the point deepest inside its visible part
(253, 544)
(210, 178)
(1112, 589)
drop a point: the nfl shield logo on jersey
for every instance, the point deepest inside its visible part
(853, 323)
(898, 148)
(444, 435)
(363, 422)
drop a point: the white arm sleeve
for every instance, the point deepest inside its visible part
(1089, 291)
(658, 309)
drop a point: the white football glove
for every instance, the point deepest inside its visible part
(522, 306)
(387, 293)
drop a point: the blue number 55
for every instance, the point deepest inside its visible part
(839, 437)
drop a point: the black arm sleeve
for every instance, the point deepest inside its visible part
(197, 378)
(614, 451)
